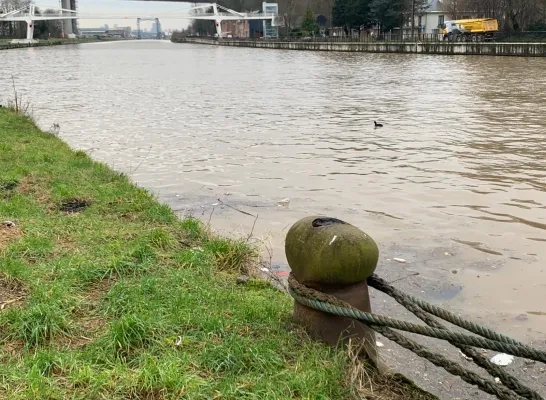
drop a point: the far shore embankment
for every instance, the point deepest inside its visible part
(7, 45)
(440, 48)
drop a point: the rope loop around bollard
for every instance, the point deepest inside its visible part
(487, 339)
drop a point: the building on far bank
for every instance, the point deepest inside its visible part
(430, 21)
(257, 28)
(93, 32)
(271, 30)
(237, 29)
(123, 32)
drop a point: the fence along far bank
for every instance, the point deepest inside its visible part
(519, 49)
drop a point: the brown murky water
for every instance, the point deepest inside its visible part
(454, 183)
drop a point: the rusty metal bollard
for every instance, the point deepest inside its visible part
(336, 258)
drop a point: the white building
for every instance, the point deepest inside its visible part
(271, 30)
(431, 20)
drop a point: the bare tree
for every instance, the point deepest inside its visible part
(454, 8)
(13, 29)
(287, 10)
(511, 14)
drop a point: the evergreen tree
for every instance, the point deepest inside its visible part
(309, 23)
(351, 13)
(391, 14)
(48, 28)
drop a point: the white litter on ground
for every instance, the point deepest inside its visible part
(465, 356)
(502, 359)
(284, 202)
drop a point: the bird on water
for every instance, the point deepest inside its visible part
(377, 125)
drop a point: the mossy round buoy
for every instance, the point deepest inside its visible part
(330, 251)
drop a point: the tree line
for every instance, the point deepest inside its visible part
(388, 14)
(512, 14)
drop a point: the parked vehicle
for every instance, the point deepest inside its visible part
(470, 30)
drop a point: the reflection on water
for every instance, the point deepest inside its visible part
(459, 163)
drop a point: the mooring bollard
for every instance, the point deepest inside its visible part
(335, 258)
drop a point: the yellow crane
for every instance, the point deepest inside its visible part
(470, 30)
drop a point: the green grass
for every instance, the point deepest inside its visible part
(122, 300)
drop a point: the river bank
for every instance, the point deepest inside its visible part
(105, 293)
(439, 48)
(6, 45)
(454, 187)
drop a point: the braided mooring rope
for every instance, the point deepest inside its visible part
(490, 340)
(412, 304)
(380, 284)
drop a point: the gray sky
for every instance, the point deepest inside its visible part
(119, 7)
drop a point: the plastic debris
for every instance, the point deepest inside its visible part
(333, 240)
(379, 344)
(502, 359)
(497, 380)
(263, 269)
(178, 341)
(283, 202)
(400, 260)
(465, 356)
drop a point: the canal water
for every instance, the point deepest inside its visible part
(453, 185)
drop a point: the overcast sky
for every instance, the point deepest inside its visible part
(119, 7)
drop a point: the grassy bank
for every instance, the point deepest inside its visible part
(5, 44)
(106, 294)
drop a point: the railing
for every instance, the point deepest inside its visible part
(528, 37)
(340, 39)
(231, 15)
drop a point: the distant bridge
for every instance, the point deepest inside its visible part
(219, 13)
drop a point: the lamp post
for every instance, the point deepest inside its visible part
(412, 18)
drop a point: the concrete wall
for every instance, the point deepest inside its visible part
(490, 49)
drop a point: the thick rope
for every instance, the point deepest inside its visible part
(380, 284)
(493, 370)
(450, 366)
(326, 303)
(436, 359)
(331, 304)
